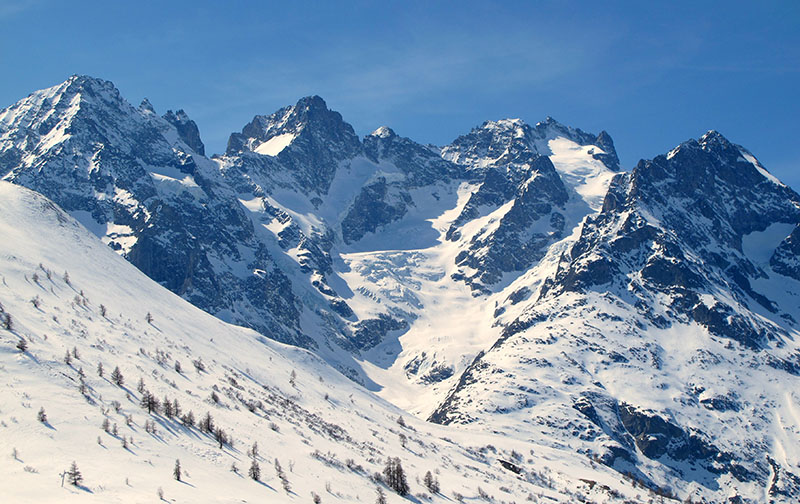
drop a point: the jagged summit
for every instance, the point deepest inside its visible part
(146, 107)
(493, 140)
(309, 119)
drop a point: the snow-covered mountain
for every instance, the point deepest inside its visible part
(665, 336)
(84, 315)
(515, 281)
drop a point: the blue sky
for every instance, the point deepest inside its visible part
(652, 75)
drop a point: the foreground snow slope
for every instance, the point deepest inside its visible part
(328, 434)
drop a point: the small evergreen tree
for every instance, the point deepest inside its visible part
(255, 471)
(431, 483)
(74, 476)
(282, 476)
(188, 419)
(149, 318)
(395, 477)
(68, 358)
(176, 408)
(167, 407)
(8, 323)
(103, 310)
(252, 452)
(176, 472)
(149, 402)
(140, 386)
(116, 377)
(221, 436)
(206, 424)
(381, 499)
(41, 416)
(100, 369)
(22, 345)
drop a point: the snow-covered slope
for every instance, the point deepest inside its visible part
(68, 294)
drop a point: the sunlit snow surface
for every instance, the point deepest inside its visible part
(312, 423)
(275, 145)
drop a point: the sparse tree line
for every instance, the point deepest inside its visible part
(393, 475)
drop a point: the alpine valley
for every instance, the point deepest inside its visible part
(512, 312)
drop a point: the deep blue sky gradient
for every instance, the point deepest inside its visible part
(651, 75)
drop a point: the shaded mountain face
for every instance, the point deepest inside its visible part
(515, 279)
(136, 180)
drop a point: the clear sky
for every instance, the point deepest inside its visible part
(650, 73)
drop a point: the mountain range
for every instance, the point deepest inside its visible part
(516, 283)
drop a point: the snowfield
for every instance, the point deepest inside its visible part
(328, 435)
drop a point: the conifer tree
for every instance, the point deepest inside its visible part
(381, 496)
(116, 377)
(255, 471)
(395, 477)
(167, 407)
(149, 402)
(176, 472)
(431, 483)
(74, 476)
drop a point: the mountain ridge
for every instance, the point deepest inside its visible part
(517, 269)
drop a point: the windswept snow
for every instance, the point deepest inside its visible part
(578, 169)
(752, 160)
(276, 144)
(760, 246)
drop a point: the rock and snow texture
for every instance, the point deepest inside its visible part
(328, 435)
(515, 280)
(662, 338)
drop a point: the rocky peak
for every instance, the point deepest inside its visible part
(490, 143)
(146, 107)
(383, 132)
(679, 222)
(187, 130)
(309, 119)
(421, 164)
(550, 129)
